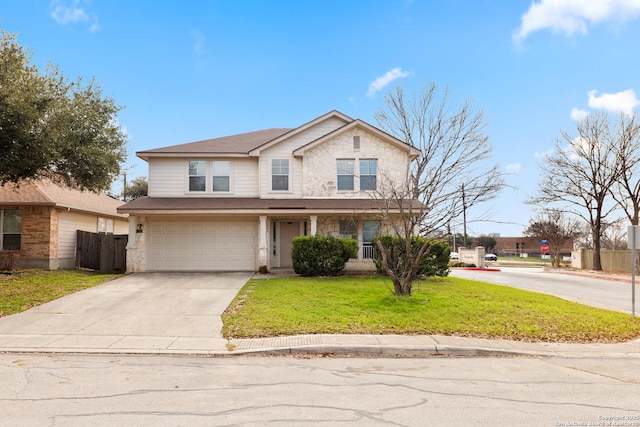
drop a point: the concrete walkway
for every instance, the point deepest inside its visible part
(163, 313)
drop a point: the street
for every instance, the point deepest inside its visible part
(101, 390)
(609, 294)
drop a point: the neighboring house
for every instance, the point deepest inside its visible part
(39, 220)
(236, 202)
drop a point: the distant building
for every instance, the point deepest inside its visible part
(519, 245)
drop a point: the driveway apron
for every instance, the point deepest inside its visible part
(138, 313)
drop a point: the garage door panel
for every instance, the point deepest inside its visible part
(201, 245)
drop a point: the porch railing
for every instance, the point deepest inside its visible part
(367, 251)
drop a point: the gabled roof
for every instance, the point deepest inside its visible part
(364, 125)
(329, 115)
(252, 143)
(46, 193)
(228, 145)
(242, 145)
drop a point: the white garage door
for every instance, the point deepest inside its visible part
(201, 245)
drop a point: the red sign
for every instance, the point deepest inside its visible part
(544, 248)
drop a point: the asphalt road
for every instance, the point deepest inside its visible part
(609, 294)
(101, 390)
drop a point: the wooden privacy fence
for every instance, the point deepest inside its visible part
(100, 251)
(618, 260)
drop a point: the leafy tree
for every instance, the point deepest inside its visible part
(449, 176)
(136, 188)
(582, 170)
(556, 228)
(53, 128)
(487, 242)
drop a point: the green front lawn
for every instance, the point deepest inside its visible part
(22, 291)
(448, 306)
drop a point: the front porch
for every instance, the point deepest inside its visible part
(276, 234)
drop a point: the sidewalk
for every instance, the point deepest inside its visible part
(424, 346)
(326, 344)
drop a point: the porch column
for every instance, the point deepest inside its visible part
(263, 250)
(133, 222)
(314, 225)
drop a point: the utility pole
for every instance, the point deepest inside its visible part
(464, 217)
(124, 188)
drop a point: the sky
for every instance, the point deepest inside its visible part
(193, 70)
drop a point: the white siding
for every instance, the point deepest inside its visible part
(69, 223)
(169, 178)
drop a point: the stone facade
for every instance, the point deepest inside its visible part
(319, 167)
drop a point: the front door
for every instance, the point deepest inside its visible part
(288, 230)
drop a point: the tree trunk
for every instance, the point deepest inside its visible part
(597, 262)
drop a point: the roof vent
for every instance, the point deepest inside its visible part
(356, 143)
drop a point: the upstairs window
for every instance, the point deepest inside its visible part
(345, 174)
(368, 170)
(10, 229)
(197, 175)
(221, 174)
(280, 175)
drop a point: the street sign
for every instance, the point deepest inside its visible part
(544, 248)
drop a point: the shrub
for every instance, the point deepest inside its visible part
(322, 255)
(434, 263)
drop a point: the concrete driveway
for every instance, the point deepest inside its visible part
(139, 313)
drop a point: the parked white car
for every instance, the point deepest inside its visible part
(454, 255)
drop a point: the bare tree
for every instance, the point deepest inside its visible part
(449, 176)
(402, 214)
(627, 191)
(614, 234)
(582, 173)
(556, 228)
(452, 172)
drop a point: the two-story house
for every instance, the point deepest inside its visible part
(237, 202)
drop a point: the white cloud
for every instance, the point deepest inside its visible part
(574, 16)
(541, 155)
(513, 168)
(621, 102)
(71, 12)
(381, 82)
(578, 114)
